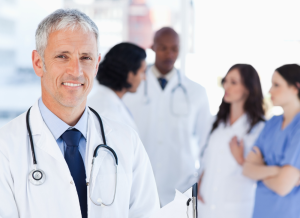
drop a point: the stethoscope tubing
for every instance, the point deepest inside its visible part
(179, 84)
(30, 137)
(38, 181)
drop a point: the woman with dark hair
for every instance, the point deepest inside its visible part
(223, 190)
(121, 71)
(275, 160)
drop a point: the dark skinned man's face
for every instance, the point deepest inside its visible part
(166, 47)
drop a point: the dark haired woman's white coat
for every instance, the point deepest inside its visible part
(226, 192)
(106, 102)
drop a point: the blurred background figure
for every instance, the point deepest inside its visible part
(210, 41)
(275, 160)
(223, 190)
(121, 71)
(170, 112)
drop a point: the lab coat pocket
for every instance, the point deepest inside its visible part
(239, 189)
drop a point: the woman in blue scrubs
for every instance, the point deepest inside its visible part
(275, 160)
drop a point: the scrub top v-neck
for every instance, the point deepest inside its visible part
(279, 147)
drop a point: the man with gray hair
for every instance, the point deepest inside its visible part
(60, 159)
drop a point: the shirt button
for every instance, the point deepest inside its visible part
(213, 207)
(71, 182)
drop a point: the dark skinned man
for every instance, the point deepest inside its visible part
(172, 115)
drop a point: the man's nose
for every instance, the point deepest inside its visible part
(75, 67)
(170, 54)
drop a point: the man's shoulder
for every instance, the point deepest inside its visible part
(193, 85)
(13, 126)
(12, 130)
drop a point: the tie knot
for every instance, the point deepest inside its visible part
(71, 137)
(163, 82)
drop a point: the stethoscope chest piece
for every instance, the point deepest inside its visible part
(37, 177)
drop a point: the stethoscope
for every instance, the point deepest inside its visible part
(193, 199)
(179, 86)
(38, 176)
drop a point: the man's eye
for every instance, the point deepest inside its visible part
(61, 56)
(86, 58)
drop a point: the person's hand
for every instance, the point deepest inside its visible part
(237, 150)
(255, 156)
(200, 198)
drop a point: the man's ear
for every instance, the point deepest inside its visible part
(37, 63)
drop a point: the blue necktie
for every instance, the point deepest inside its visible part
(76, 166)
(163, 82)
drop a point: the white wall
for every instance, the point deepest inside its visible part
(264, 33)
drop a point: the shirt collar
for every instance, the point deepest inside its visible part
(167, 76)
(57, 127)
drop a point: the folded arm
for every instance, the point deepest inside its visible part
(281, 180)
(255, 168)
(283, 183)
(259, 172)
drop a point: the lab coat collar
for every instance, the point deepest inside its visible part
(43, 137)
(241, 121)
(170, 85)
(47, 142)
(57, 126)
(109, 94)
(157, 74)
(36, 120)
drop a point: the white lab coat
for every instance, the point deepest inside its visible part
(226, 192)
(136, 194)
(168, 138)
(106, 102)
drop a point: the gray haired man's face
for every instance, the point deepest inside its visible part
(71, 64)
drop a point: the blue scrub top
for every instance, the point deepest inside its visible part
(279, 147)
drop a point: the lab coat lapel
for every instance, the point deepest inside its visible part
(117, 102)
(172, 83)
(153, 83)
(109, 94)
(46, 140)
(241, 123)
(110, 98)
(94, 138)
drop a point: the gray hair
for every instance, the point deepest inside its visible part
(59, 20)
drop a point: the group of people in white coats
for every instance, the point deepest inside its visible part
(145, 120)
(241, 174)
(251, 167)
(168, 109)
